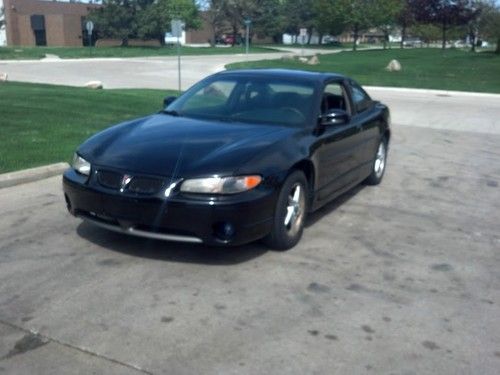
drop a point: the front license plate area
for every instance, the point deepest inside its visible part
(120, 208)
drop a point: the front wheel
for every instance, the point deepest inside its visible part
(290, 213)
(379, 163)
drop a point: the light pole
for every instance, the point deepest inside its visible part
(247, 24)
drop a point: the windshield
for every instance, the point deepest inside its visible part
(247, 99)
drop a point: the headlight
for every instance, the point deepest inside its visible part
(220, 185)
(81, 165)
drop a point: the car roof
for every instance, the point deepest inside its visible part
(285, 73)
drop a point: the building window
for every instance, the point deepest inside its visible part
(38, 27)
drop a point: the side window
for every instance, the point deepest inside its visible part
(334, 97)
(360, 98)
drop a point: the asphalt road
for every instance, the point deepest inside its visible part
(402, 278)
(441, 110)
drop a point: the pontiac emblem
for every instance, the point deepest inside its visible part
(125, 181)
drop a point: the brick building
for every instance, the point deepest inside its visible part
(40, 23)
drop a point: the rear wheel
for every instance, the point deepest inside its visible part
(379, 163)
(290, 213)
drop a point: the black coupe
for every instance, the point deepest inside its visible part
(241, 155)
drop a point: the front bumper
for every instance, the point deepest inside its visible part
(222, 220)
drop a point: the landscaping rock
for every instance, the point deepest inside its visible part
(288, 57)
(394, 66)
(303, 59)
(3, 77)
(49, 56)
(94, 85)
(313, 60)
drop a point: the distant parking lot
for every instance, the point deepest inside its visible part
(401, 278)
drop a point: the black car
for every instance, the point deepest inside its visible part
(241, 155)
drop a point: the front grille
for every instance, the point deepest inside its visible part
(111, 180)
(145, 185)
(136, 184)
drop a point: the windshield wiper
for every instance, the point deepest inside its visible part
(170, 112)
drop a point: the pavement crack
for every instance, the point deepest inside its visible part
(33, 340)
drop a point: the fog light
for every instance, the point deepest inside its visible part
(224, 231)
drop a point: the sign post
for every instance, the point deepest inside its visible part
(177, 27)
(303, 34)
(89, 25)
(247, 36)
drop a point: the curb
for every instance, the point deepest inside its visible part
(432, 91)
(32, 174)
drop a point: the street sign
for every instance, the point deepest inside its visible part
(89, 26)
(177, 28)
(303, 32)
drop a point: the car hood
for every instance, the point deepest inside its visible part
(178, 146)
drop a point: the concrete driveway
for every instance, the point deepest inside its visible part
(396, 279)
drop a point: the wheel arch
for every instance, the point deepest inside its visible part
(386, 134)
(307, 167)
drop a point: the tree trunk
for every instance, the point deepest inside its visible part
(356, 36)
(472, 36)
(443, 45)
(497, 51)
(309, 35)
(235, 31)
(403, 35)
(214, 36)
(386, 38)
(320, 42)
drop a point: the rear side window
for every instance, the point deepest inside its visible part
(360, 98)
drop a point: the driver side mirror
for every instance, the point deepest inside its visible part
(169, 100)
(334, 117)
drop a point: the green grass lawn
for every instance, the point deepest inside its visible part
(429, 68)
(43, 124)
(33, 53)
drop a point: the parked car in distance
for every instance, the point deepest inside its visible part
(331, 40)
(242, 155)
(229, 39)
(412, 42)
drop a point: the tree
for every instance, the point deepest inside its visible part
(327, 20)
(358, 15)
(116, 19)
(384, 16)
(446, 13)
(475, 7)
(236, 12)
(154, 19)
(215, 16)
(125, 19)
(268, 19)
(490, 24)
(426, 32)
(2, 17)
(405, 19)
(299, 14)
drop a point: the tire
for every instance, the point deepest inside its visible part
(290, 213)
(379, 164)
